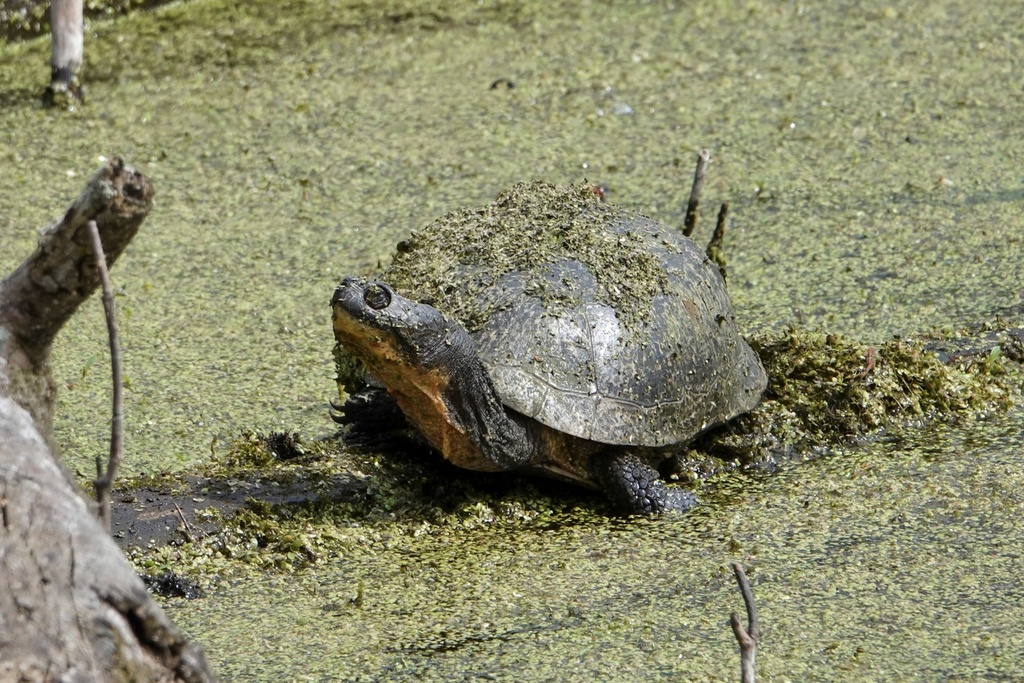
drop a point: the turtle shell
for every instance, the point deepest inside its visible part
(595, 321)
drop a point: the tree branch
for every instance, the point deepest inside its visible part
(39, 297)
(71, 606)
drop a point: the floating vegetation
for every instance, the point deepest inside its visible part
(826, 390)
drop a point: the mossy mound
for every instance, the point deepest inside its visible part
(258, 506)
(452, 261)
(826, 390)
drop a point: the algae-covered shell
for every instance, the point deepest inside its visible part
(595, 321)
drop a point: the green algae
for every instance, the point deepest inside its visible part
(478, 246)
(857, 565)
(871, 159)
(827, 391)
(240, 150)
(268, 512)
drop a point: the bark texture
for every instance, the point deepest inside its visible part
(71, 607)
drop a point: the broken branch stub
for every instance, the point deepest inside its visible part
(746, 637)
(42, 294)
(44, 291)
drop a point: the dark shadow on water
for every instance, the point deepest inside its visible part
(152, 516)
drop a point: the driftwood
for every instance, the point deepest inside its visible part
(71, 607)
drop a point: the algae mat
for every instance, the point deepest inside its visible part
(899, 562)
(871, 155)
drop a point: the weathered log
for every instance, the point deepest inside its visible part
(71, 607)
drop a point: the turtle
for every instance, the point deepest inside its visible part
(550, 331)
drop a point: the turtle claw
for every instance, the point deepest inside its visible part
(337, 412)
(369, 409)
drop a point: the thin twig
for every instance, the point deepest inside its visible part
(869, 362)
(715, 250)
(746, 637)
(703, 157)
(186, 527)
(105, 484)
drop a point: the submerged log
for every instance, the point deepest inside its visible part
(72, 607)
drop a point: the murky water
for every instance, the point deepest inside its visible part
(871, 156)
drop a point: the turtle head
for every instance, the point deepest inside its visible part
(384, 329)
(429, 365)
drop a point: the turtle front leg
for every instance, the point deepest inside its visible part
(370, 409)
(633, 484)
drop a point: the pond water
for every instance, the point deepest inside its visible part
(871, 155)
(898, 562)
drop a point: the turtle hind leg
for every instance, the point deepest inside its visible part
(635, 486)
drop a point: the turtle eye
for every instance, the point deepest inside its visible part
(377, 297)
